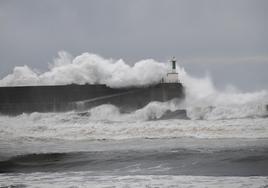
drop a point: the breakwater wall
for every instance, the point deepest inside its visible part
(27, 99)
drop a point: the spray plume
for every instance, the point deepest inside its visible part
(91, 69)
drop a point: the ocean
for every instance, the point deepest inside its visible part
(125, 150)
(221, 141)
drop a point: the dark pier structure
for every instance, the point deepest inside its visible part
(59, 98)
(16, 100)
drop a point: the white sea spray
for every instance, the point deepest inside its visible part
(91, 69)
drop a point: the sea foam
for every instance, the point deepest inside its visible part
(91, 69)
(85, 179)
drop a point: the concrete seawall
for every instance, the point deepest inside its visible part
(26, 99)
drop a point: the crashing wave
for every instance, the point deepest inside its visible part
(91, 69)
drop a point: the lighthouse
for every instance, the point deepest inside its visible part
(172, 76)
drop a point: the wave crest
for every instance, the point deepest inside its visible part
(91, 69)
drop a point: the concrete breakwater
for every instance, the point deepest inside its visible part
(27, 99)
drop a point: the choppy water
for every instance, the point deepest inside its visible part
(83, 179)
(103, 148)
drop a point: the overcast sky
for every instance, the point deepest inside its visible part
(228, 39)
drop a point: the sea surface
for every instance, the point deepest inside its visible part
(104, 148)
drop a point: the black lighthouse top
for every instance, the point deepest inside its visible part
(173, 61)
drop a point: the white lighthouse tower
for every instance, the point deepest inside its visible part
(172, 76)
